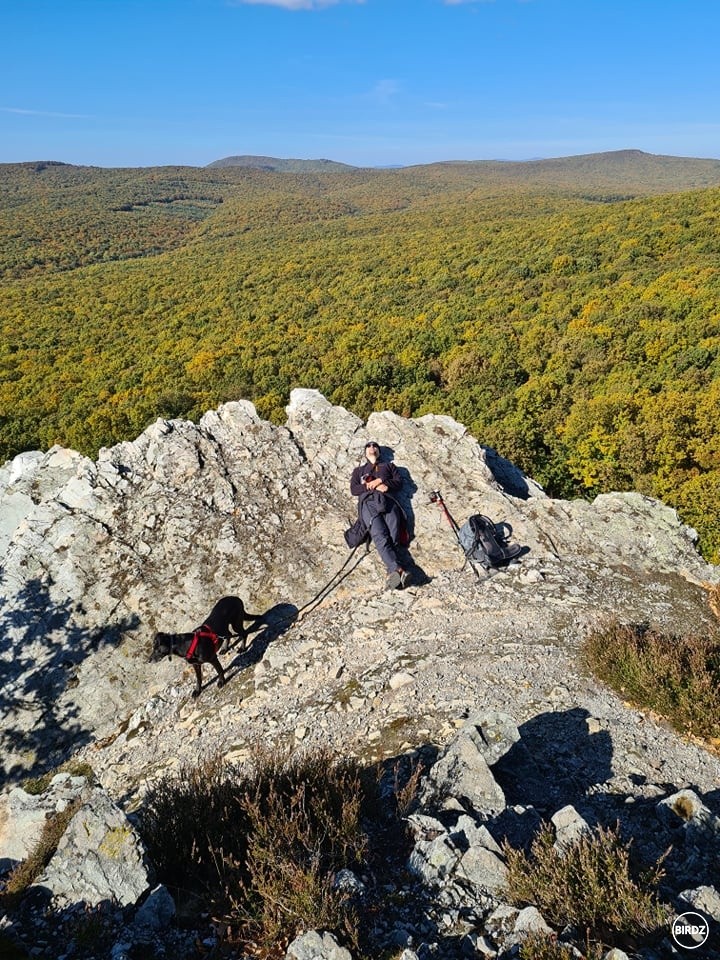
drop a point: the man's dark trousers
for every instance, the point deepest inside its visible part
(382, 518)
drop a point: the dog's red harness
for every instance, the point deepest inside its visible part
(203, 631)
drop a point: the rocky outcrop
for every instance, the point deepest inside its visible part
(95, 556)
(23, 815)
(99, 858)
(98, 867)
(459, 859)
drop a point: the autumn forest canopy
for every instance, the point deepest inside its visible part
(566, 311)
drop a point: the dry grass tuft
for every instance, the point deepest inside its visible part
(713, 597)
(26, 872)
(676, 677)
(262, 847)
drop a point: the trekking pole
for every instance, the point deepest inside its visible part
(436, 497)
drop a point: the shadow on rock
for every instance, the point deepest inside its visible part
(41, 648)
(272, 624)
(556, 761)
(511, 478)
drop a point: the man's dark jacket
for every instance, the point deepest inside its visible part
(390, 476)
(387, 472)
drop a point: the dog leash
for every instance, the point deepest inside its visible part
(331, 585)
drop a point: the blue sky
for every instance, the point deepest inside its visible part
(367, 82)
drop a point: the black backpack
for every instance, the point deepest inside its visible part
(486, 542)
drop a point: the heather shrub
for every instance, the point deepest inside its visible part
(676, 677)
(713, 597)
(588, 885)
(538, 946)
(262, 846)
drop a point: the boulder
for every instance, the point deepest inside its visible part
(463, 769)
(569, 827)
(154, 914)
(706, 899)
(99, 858)
(316, 945)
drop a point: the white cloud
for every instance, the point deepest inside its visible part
(45, 113)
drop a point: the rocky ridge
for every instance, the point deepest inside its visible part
(99, 555)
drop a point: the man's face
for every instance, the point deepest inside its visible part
(372, 452)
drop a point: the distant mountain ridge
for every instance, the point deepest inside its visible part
(609, 176)
(668, 172)
(281, 165)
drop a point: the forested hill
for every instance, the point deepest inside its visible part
(566, 311)
(285, 166)
(630, 170)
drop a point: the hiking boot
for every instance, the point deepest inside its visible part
(394, 580)
(405, 579)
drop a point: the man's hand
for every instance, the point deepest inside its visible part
(377, 484)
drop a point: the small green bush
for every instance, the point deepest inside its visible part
(37, 785)
(588, 885)
(92, 932)
(677, 677)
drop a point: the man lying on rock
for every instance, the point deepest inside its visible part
(374, 482)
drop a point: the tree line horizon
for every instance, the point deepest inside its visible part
(570, 321)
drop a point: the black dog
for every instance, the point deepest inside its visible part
(206, 641)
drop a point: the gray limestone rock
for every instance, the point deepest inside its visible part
(99, 858)
(466, 833)
(483, 676)
(483, 869)
(434, 860)
(468, 854)
(154, 914)
(23, 815)
(97, 556)
(681, 807)
(316, 945)
(685, 811)
(493, 733)
(462, 772)
(706, 899)
(569, 826)
(530, 920)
